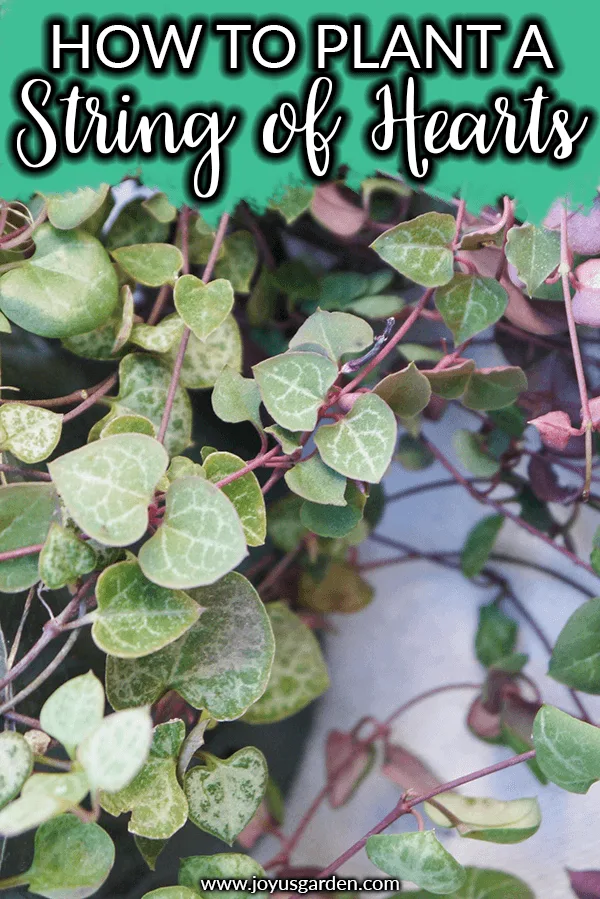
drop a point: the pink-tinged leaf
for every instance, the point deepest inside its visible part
(586, 307)
(545, 483)
(555, 429)
(588, 273)
(405, 769)
(585, 884)
(595, 409)
(483, 723)
(534, 316)
(348, 761)
(335, 212)
(257, 826)
(583, 230)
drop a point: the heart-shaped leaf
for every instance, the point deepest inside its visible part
(71, 209)
(337, 332)
(238, 261)
(64, 558)
(128, 423)
(135, 617)
(143, 387)
(299, 674)
(29, 432)
(361, 444)
(421, 248)
(197, 871)
(44, 796)
(152, 264)
(200, 540)
(567, 750)
(117, 749)
(26, 512)
(16, 764)
(534, 252)
(108, 485)
(490, 820)
(479, 544)
(451, 382)
(221, 664)
(484, 884)
(555, 429)
(204, 360)
(419, 857)
(157, 802)
(158, 338)
(244, 493)
(470, 304)
(223, 795)
(494, 388)
(236, 399)
(406, 392)
(575, 659)
(68, 286)
(293, 386)
(496, 635)
(316, 482)
(70, 859)
(292, 201)
(74, 711)
(203, 307)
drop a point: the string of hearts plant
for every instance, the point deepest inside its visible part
(203, 575)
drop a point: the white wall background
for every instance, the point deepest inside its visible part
(417, 634)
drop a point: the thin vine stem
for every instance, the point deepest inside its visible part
(206, 276)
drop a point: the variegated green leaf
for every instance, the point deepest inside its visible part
(244, 493)
(420, 249)
(221, 664)
(203, 307)
(419, 857)
(361, 444)
(299, 673)
(490, 820)
(16, 764)
(293, 386)
(64, 557)
(108, 485)
(107, 340)
(29, 432)
(44, 796)
(71, 209)
(152, 264)
(26, 512)
(157, 802)
(74, 711)
(235, 398)
(223, 795)
(114, 753)
(337, 332)
(135, 617)
(204, 360)
(316, 482)
(158, 338)
(197, 869)
(238, 261)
